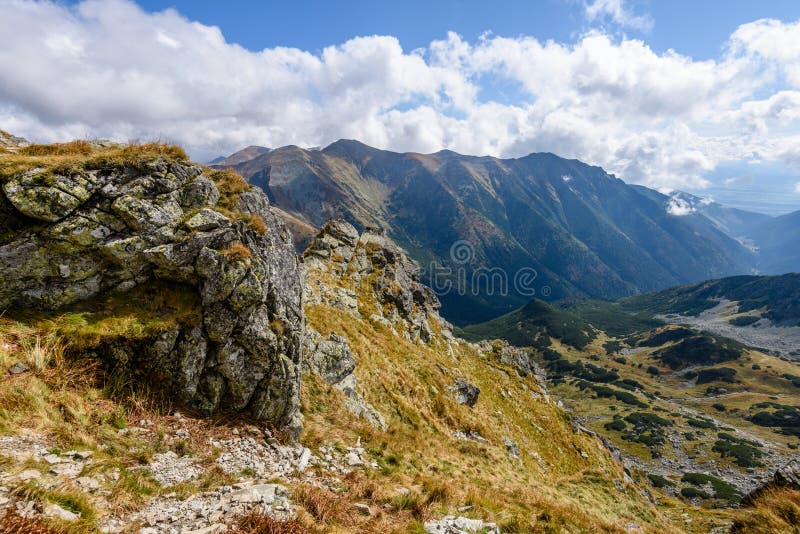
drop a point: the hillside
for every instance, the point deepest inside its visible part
(693, 412)
(576, 230)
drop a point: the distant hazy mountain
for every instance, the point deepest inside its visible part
(585, 232)
(736, 223)
(778, 241)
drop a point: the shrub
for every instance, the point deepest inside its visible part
(659, 482)
(691, 493)
(653, 370)
(701, 423)
(617, 424)
(722, 490)
(723, 374)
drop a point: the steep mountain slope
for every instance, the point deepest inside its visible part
(571, 228)
(475, 414)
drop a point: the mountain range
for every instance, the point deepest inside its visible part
(576, 230)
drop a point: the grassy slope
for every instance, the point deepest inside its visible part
(570, 487)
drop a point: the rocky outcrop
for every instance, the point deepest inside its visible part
(373, 262)
(71, 236)
(11, 143)
(332, 360)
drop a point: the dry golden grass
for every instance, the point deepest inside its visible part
(321, 504)
(78, 156)
(256, 222)
(404, 381)
(774, 511)
(256, 523)
(237, 252)
(230, 184)
(13, 523)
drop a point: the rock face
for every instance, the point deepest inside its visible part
(72, 237)
(373, 262)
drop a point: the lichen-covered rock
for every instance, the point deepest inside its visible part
(331, 359)
(77, 236)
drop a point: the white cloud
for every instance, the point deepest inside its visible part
(106, 68)
(679, 207)
(617, 12)
(797, 188)
(567, 178)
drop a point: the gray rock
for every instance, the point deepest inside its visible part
(788, 476)
(18, 368)
(459, 525)
(57, 512)
(511, 447)
(331, 359)
(465, 392)
(207, 219)
(201, 192)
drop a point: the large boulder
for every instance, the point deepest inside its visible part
(75, 236)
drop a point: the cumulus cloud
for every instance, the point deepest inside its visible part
(106, 68)
(797, 187)
(617, 12)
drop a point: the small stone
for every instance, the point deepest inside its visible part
(52, 459)
(353, 459)
(88, 483)
(363, 508)
(54, 510)
(511, 447)
(18, 368)
(305, 458)
(263, 493)
(29, 474)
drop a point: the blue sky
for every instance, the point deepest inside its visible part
(695, 28)
(696, 96)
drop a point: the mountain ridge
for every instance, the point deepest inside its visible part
(583, 232)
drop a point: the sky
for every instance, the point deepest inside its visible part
(697, 96)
